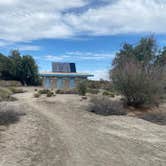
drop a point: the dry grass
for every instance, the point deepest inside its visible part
(155, 117)
(9, 117)
(105, 106)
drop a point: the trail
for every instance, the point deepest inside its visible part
(59, 131)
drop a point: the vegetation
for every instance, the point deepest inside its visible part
(5, 94)
(69, 91)
(92, 91)
(82, 88)
(37, 95)
(101, 84)
(50, 94)
(43, 91)
(16, 90)
(155, 117)
(19, 68)
(138, 72)
(9, 117)
(105, 106)
(108, 93)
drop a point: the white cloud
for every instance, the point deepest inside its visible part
(99, 74)
(78, 55)
(23, 20)
(124, 16)
(28, 48)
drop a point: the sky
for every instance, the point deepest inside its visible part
(87, 32)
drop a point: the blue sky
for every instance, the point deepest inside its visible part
(87, 32)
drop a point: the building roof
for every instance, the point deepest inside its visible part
(56, 74)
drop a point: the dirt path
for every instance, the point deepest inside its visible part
(58, 131)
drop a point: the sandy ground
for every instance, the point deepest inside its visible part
(58, 131)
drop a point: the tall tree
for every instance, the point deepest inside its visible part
(30, 70)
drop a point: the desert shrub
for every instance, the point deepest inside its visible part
(59, 91)
(43, 91)
(5, 94)
(50, 94)
(5, 83)
(140, 85)
(8, 117)
(108, 93)
(16, 90)
(37, 95)
(92, 91)
(105, 106)
(155, 117)
(67, 91)
(82, 88)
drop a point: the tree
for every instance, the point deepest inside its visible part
(20, 68)
(30, 71)
(136, 73)
(5, 67)
(16, 66)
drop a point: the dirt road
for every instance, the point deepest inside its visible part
(58, 131)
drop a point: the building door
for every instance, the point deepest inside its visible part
(47, 83)
(59, 83)
(72, 83)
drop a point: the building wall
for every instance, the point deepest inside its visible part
(60, 82)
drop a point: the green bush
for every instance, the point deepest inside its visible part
(105, 106)
(82, 88)
(108, 93)
(43, 91)
(50, 94)
(92, 91)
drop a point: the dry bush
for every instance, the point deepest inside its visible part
(16, 90)
(37, 95)
(139, 84)
(43, 91)
(82, 88)
(9, 117)
(108, 93)
(155, 117)
(67, 91)
(105, 106)
(50, 94)
(92, 91)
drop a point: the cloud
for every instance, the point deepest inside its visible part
(23, 20)
(78, 55)
(124, 16)
(98, 74)
(28, 48)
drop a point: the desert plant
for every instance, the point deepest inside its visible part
(5, 94)
(67, 91)
(92, 91)
(108, 93)
(10, 116)
(82, 88)
(43, 91)
(140, 85)
(50, 94)
(37, 95)
(105, 106)
(155, 117)
(16, 90)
